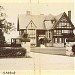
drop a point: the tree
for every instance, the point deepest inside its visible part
(5, 26)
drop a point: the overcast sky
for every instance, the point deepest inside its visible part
(54, 7)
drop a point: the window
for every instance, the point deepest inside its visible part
(68, 25)
(65, 31)
(22, 31)
(32, 32)
(63, 24)
(55, 32)
(59, 31)
(57, 26)
(49, 34)
(60, 25)
(33, 40)
(60, 40)
(55, 40)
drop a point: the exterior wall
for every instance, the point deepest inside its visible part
(62, 31)
(32, 35)
(56, 36)
(36, 35)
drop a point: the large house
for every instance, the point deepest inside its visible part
(43, 29)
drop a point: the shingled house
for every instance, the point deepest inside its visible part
(48, 30)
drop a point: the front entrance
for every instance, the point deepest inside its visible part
(40, 38)
(40, 41)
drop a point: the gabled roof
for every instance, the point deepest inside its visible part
(48, 24)
(48, 21)
(59, 17)
(49, 17)
(38, 20)
(31, 22)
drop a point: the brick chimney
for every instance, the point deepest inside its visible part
(69, 14)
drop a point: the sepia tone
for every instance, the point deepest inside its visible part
(41, 38)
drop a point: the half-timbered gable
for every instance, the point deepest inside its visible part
(31, 31)
(31, 25)
(62, 29)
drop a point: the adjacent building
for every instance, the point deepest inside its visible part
(43, 29)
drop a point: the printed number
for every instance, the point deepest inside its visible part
(9, 73)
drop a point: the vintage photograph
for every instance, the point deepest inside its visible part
(37, 37)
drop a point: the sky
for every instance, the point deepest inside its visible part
(15, 7)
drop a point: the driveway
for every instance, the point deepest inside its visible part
(39, 64)
(50, 50)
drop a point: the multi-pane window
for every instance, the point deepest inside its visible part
(63, 23)
(57, 32)
(31, 32)
(68, 25)
(67, 31)
(60, 25)
(64, 31)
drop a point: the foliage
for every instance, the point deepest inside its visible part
(4, 24)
